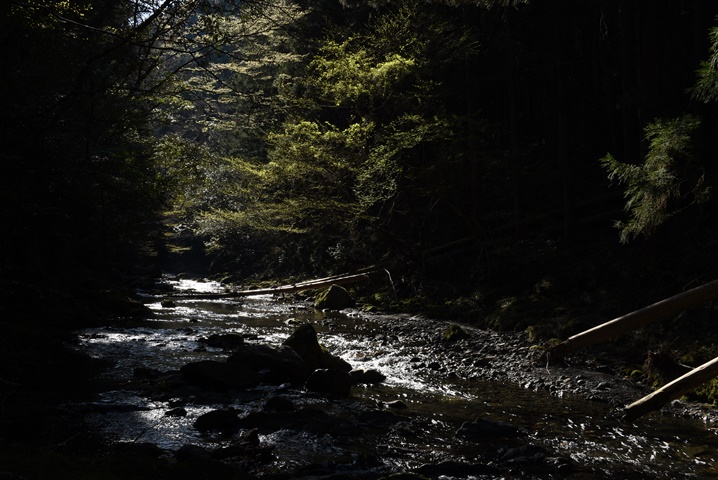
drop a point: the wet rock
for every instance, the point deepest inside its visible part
(304, 341)
(272, 365)
(225, 421)
(397, 405)
(522, 452)
(334, 298)
(147, 373)
(454, 333)
(483, 429)
(168, 304)
(404, 476)
(532, 458)
(250, 437)
(279, 404)
(176, 412)
(219, 375)
(192, 452)
(379, 418)
(247, 447)
(367, 377)
(138, 449)
(228, 341)
(456, 469)
(408, 430)
(122, 305)
(307, 419)
(330, 382)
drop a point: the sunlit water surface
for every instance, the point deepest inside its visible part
(587, 432)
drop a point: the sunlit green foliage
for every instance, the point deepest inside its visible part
(667, 175)
(231, 93)
(350, 75)
(356, 128)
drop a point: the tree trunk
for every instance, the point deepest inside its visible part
(636, 319)
(344, 279)
(672, 390)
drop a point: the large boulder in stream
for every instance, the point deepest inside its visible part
(225, 421)
(330, 382)
(272, 365)
(304, 342)
(334, 298)
(219, 375)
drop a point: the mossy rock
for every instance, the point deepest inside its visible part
(708, 392)
(367, 308)
(334, 298)
(168, 304)
(454, 333)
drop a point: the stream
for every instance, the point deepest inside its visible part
(523, 425)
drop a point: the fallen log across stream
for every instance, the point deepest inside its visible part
(644, 316)
(672, 390)
(636, 319)
(344, 279)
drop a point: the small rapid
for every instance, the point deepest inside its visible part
(437, 392)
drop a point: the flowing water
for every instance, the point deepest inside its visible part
(588, 433)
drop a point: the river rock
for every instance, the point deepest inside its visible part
(454, 333)
(227, 341)
(456, 469)
(120, 304)
(272, 365)
(176, 412)
(397, 405)
(330, 382)
(533, 458)
(307, 419)
(192, 452)
(147, 373)
(225, 421)
(367, 377)
(334, 298)
(482, 429)
(304, 342)
(404, 476)
(219, 375)
(380, 418)
(520, 454)
(138, 449)
(279, 404)
(246, 448)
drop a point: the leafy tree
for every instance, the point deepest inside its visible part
(228, 98)
(352, 158)
(85, 88)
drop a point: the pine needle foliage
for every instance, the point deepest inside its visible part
(706, 88)
(664, 183)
